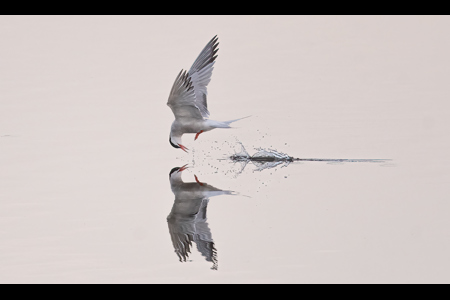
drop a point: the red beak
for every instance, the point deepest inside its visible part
(183, 168)
(183, 148)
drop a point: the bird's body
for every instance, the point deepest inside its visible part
(192, 190)
(187, 98)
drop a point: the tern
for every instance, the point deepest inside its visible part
(187, 98)
(192, 190)
(187, 219)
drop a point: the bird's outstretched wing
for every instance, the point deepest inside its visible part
(182, 98)
(200, 73)
(188, 95)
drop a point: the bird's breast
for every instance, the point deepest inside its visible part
(189, 126)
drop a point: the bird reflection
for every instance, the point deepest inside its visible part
(187, 219)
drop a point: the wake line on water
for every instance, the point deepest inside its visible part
(270, 158)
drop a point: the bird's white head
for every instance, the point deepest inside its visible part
(175, 141)
(175, 173)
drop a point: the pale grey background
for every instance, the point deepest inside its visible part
(85, 158)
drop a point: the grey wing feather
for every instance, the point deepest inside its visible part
(203, 237)
(190, 226)
(182, 98)
(200, 73)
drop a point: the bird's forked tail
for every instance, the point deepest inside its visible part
(224, 124)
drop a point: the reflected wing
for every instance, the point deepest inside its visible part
(203, 237)
(181, 241)
(187, 224)
(182, 98)
(201, 71)
(182, 225)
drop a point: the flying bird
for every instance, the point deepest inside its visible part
(187, 98)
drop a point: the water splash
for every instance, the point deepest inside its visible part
(270, 158)
(263, 159)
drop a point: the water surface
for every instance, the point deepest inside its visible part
(84, 189)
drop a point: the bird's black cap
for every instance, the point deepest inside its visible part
(173, 145)
(174, 170)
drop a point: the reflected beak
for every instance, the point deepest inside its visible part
(183, 148)
(183, 168)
